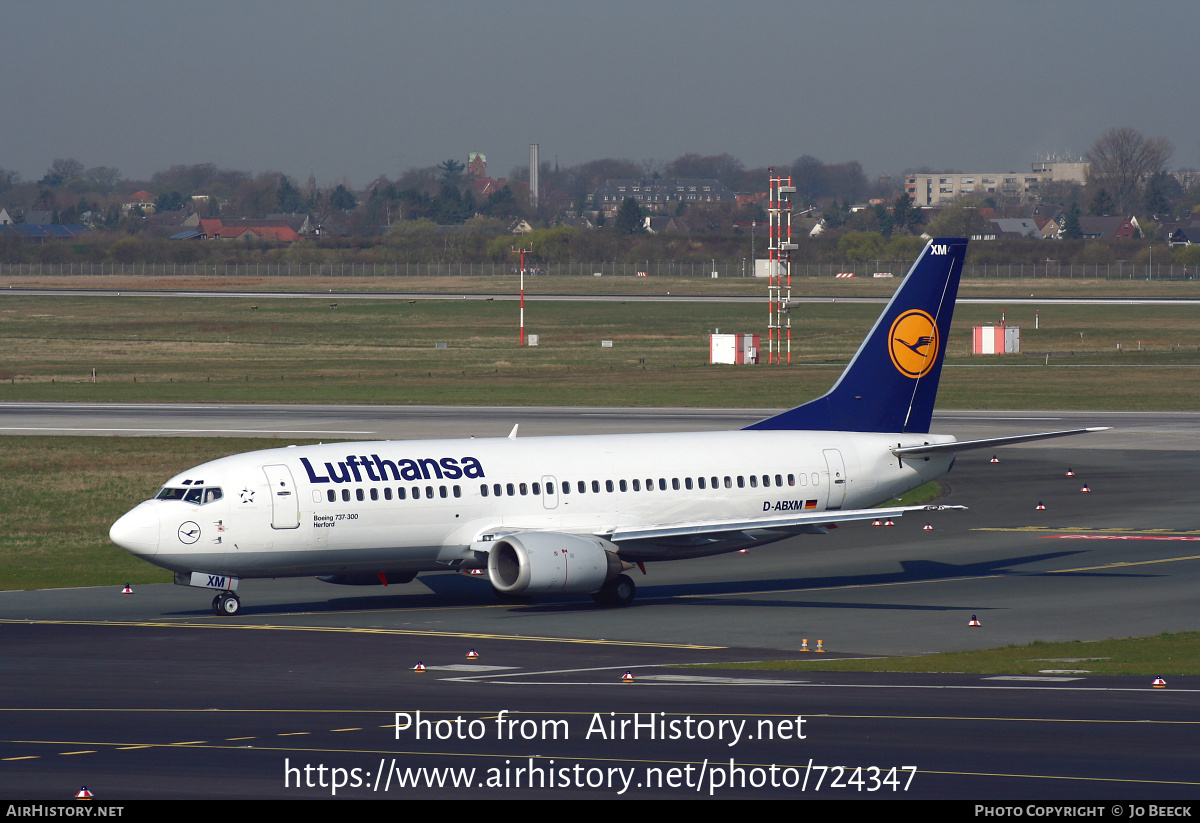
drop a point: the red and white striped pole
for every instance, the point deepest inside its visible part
(522, 253)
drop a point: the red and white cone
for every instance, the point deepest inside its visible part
(472, 655)
(627, 677)
(877, 523)
(126, 590)
(1159, 683)
(888, 522)
(1041, 506)
(83, 794)
(419, 668)
(928, 527)
(1070, 473)
(974, 622)
(1086, 489)
(994, 459)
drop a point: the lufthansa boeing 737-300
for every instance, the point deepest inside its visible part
(572, 514)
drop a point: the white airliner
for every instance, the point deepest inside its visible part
(572, 514)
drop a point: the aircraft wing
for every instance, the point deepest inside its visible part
(700, 528)
(967, 445)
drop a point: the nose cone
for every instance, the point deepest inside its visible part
(137, 531)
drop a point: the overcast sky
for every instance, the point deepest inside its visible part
(351, 90)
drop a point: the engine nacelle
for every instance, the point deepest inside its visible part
(549, 562)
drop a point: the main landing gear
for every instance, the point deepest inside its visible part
(226, 603)
(619, 591)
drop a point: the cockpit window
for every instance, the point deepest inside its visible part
(196, 494)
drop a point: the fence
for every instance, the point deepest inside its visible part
(1118, 270)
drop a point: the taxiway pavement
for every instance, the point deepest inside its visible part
(150, 695)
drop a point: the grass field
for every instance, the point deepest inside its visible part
(61, 494)
(219, 349)
(560, 284)
(1163, 655)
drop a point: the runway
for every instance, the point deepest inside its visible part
(1131, 430)
(151, 695)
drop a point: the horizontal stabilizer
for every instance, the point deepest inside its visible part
(967, 445)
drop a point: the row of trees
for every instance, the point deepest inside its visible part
(1128, 174)
(483, 241)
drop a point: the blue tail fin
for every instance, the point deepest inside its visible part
(891, 383)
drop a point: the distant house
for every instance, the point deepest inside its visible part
(4, 218)
(574, 222)
(244, 230)
(658, 195)
(141, 199)
(519, 226)
(1016, 227)
(665, 224)
(1185, 235)
(811, 226)
(1109, 228)
(40, 233)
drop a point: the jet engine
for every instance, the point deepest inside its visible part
(549, 562)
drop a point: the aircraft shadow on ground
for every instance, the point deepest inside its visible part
(448, 591)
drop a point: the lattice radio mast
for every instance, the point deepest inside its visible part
(779, 294)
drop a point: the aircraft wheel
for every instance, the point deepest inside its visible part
(226, 603)
(619, 591)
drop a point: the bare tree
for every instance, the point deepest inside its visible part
(1123, 159)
